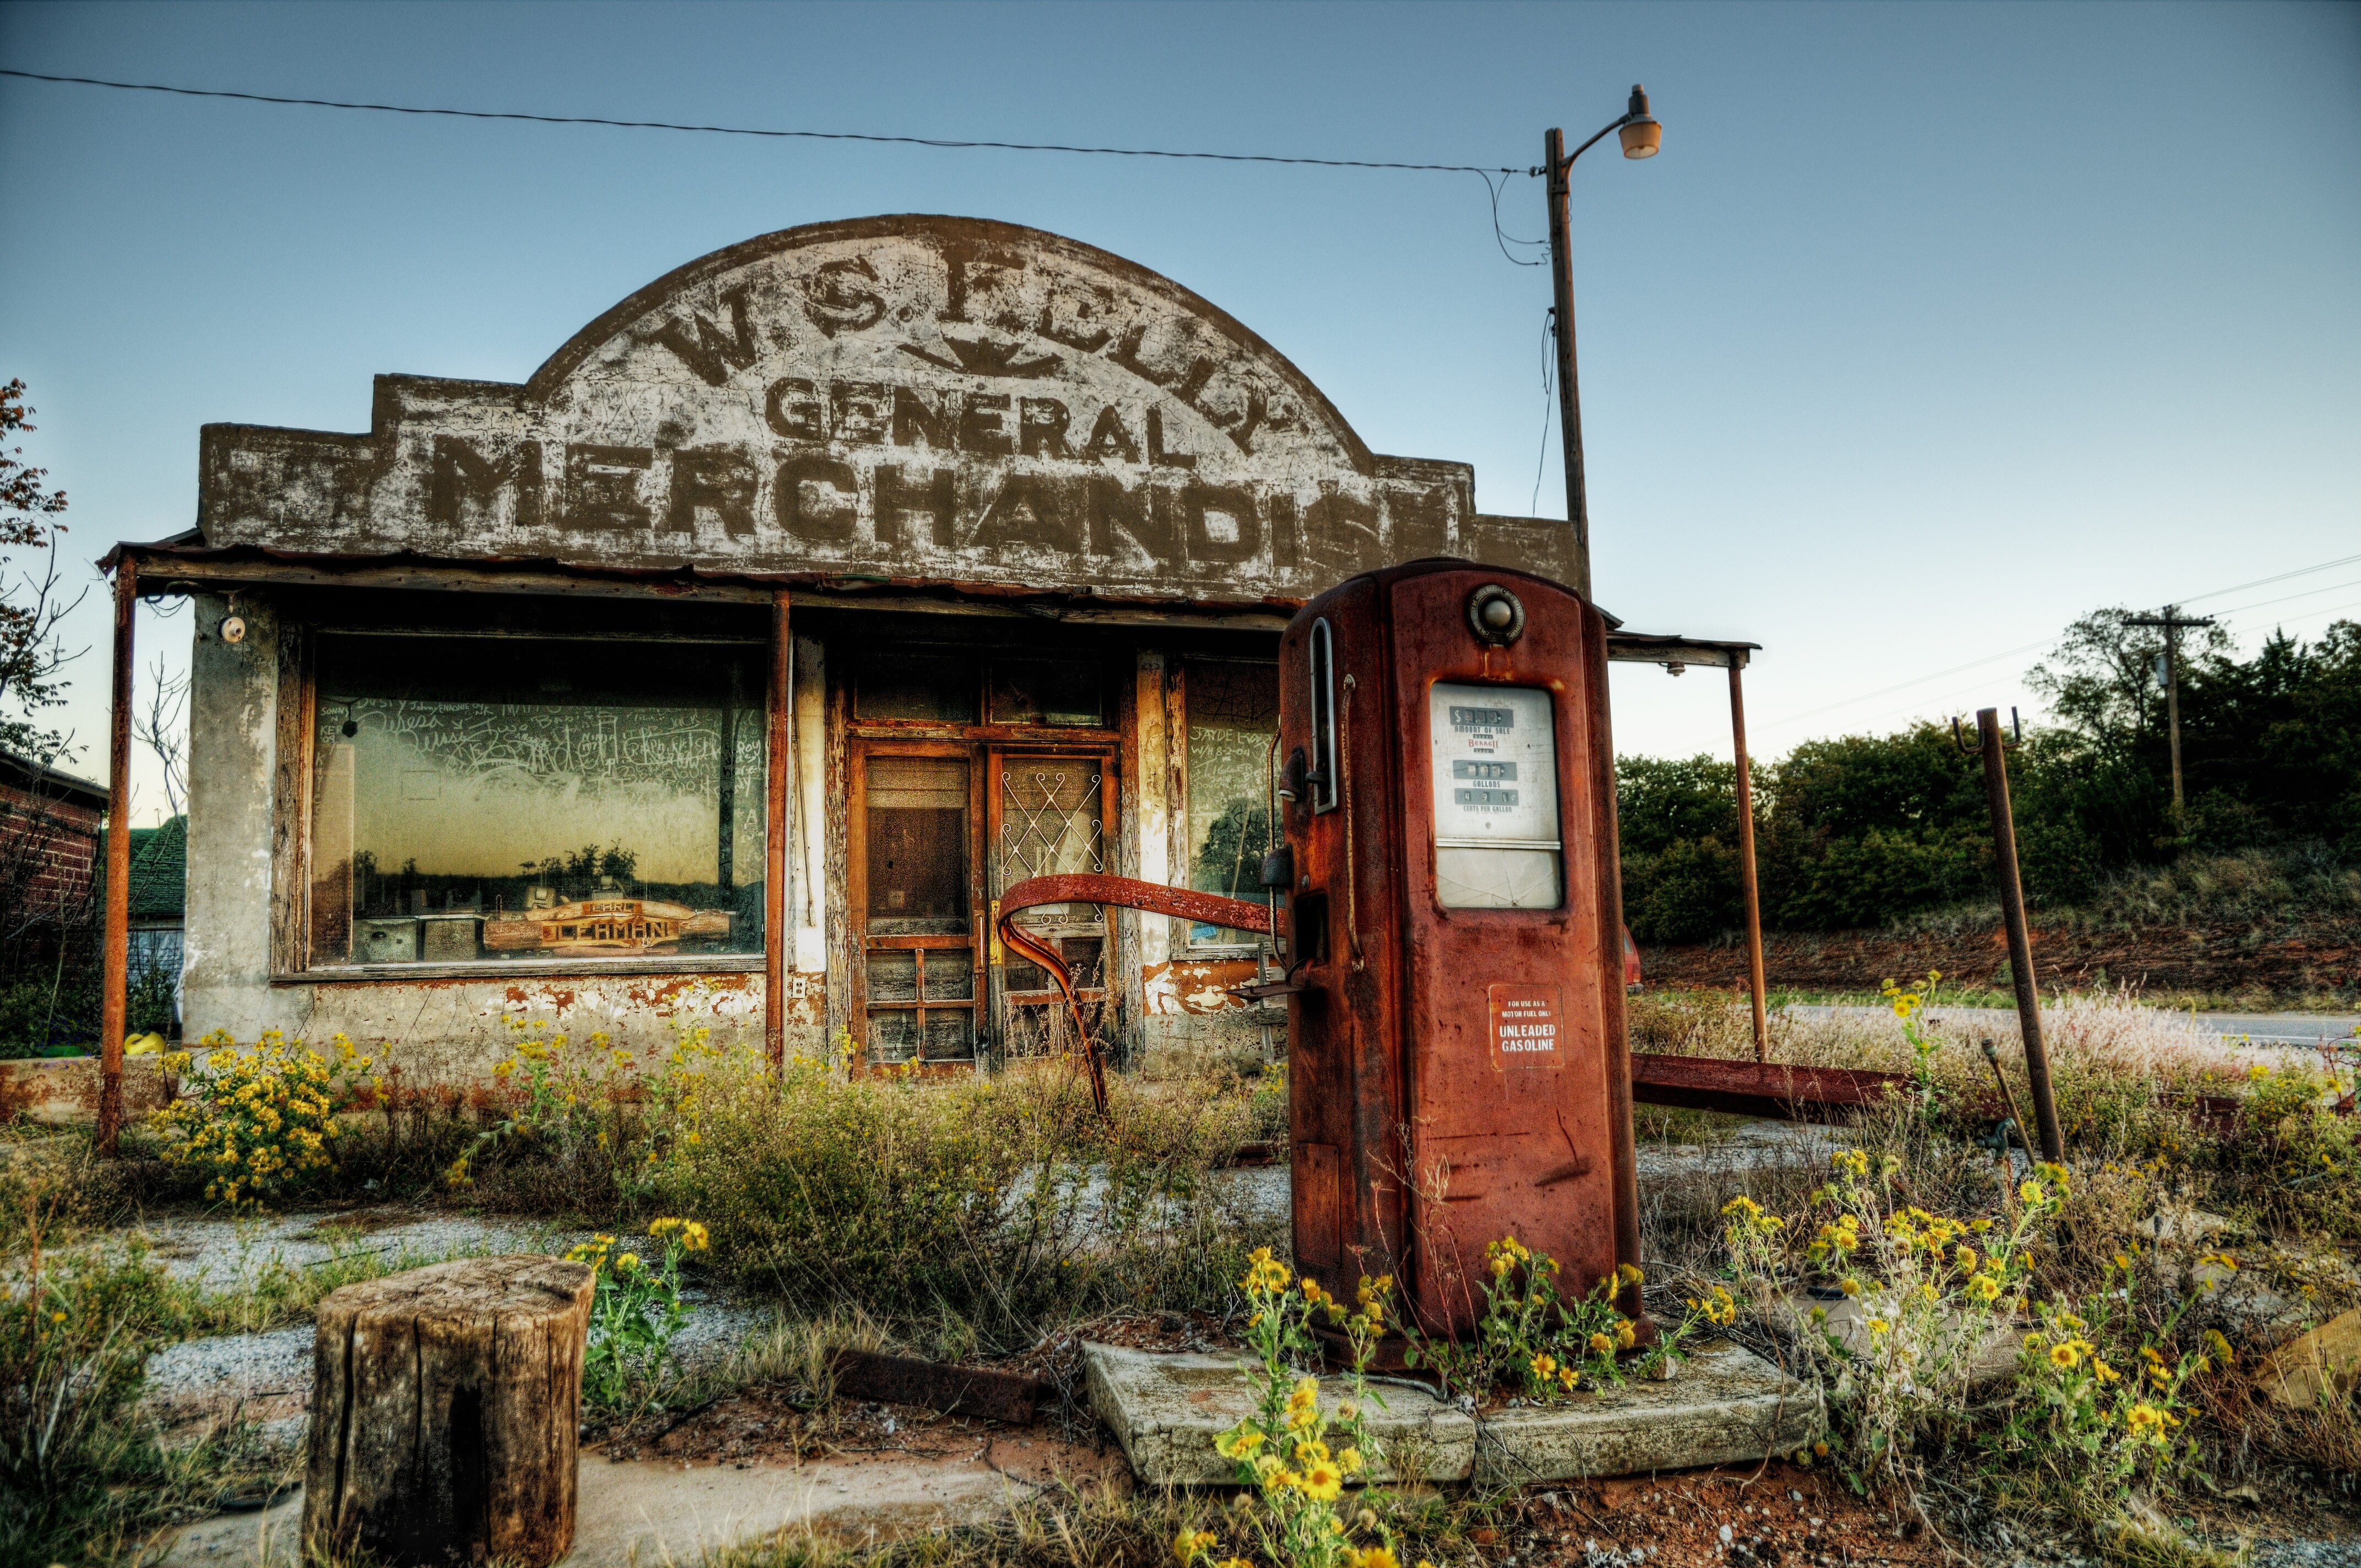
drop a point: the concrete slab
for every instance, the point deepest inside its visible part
(1165, 1409)
(642, 1512)
(1723, 1405)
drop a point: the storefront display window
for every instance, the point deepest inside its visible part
(487, 799)
(1233, 712)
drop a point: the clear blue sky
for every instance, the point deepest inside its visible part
(1933, 327)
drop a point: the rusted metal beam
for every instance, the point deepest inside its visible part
(114, 999)
(954, 1391)
(1776, 1092)
(1671, 648)
(777, 765)
(1773, 1090)
(1746, 883)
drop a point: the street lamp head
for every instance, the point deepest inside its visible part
(1642, 136)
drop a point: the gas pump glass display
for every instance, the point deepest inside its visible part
(1494, 754)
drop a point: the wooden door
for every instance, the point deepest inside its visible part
(914, 880)
(1051, 813)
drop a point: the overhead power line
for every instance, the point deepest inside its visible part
(751, 131)
(2027, 648)
(1906, 685)
(2260, 582)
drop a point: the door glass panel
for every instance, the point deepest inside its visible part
(950, 974)
(918, 845)
(894, 976)
(1050, 818)
(1083, 956)
(1052, 822)
(951, 1035)
(893, 1036)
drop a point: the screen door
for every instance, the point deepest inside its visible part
(918, 926)
(1051, 814)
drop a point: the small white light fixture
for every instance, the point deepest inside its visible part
(232, 630)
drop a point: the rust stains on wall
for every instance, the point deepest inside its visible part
(964, 399)
(1183, 988)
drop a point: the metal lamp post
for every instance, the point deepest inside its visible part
(1641, 137)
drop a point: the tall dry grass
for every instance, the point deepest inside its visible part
(969, 1214)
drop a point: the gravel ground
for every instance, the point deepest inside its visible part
(224, 1254)
(2308, 1554)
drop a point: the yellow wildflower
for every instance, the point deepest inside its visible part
(1321, 1481)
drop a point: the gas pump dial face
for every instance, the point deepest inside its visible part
(1493, 751)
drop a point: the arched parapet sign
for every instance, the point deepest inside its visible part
(918, 398)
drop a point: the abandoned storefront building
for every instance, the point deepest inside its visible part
(802, 602)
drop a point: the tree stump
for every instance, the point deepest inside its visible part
(446, 1403)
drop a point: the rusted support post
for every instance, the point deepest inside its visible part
(777, 766)
(114, 1000)
(2020, 942)
(1746, 863)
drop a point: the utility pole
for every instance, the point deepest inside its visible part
(1569, 399)
(2172, 620)
(1641, 135)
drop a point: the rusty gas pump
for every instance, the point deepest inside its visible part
(1457, 1065)
(1455, 1049)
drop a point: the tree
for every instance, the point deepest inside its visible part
(2102, 680)
(33, 600)
(161, 730)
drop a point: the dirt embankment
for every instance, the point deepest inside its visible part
(2283, 964)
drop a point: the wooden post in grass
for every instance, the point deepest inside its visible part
(446, 1403)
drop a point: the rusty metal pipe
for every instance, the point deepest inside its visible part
(1746, 880)
(115, 998)
(2020, 941)
(2007, 1099)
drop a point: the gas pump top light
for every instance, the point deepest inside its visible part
(1496, 615)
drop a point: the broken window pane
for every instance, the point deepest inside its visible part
(1233, 712)
(480, 799)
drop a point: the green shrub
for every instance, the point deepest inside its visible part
(1689, 893)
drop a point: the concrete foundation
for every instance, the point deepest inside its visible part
(1723, 1405)
(1165, 1409)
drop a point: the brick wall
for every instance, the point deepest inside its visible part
(49, 847)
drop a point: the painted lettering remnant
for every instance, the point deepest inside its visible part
(918, 397)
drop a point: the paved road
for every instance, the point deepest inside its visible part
(2263, 1028)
